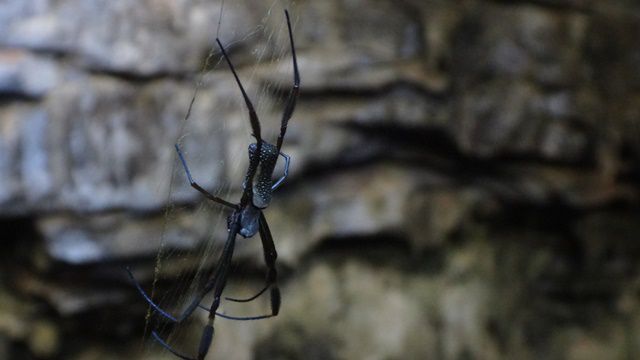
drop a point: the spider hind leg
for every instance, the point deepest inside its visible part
(270, 256)
(251, 298)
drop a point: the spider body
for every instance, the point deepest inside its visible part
(262, 186)
(246, 218)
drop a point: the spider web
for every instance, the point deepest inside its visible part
(214, 135)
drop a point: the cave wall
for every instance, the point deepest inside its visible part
(463, 182)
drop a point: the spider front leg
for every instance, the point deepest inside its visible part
(255, 127)
(295, 89)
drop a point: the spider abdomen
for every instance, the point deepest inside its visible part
(262, 181)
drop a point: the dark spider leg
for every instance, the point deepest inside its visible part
(245, 318)
(250, 298)
(270, 256)
(198, 187)
(220, 282)
(147, 298)
(186, 313)
(210, 285)
(217, 284)
(237, 317)
(255, 127)
(293, 95)
(164, 344)
(287, 159)
(253, 117)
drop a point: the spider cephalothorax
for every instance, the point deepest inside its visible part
(246, 218)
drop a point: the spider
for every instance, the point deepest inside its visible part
(246, 218)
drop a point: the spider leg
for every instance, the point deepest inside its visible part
(287, 159)
(195, 185)
(186, 313)
(147, 297)
(270, 256)
(216, 284)
(293, 95)
(255, 127)
(221, 271)
(230, 317)
(245, 318)
(219, 281)
(250, 298)
(253, 117)
(164, 344)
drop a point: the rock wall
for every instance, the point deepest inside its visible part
(464, 178)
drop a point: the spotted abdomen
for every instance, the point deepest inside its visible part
(262, 180)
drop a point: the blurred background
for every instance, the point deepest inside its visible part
(464, 179)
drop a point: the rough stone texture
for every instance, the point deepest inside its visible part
(464, 178)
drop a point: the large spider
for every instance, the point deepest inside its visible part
(246, 218)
